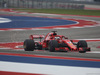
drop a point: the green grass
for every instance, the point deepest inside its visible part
(63, 11)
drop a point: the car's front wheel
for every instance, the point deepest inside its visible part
(82, 44)
(29, 45)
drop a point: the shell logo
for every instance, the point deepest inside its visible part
(4, 20)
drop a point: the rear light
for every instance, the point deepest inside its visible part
(57, 49)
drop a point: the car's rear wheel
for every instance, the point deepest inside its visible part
(82, 44)
(52, 45)
(29, 45)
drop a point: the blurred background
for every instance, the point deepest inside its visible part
(51, 4)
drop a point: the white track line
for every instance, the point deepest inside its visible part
(93, 52)
(89, 39)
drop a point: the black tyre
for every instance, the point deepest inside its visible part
(52, 45)
(83, 44)
(29, 45)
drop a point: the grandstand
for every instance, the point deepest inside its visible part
(51, 4)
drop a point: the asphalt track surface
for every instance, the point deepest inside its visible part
(73, 33)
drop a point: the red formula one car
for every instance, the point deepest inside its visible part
(54, 42)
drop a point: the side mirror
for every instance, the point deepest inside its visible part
(71, 40)
(66, 37)
(51, 37)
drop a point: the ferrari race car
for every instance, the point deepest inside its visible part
(54, 42)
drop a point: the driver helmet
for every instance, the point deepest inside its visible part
(57, 38)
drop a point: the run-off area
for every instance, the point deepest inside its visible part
(31, 22)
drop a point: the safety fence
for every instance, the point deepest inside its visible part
(39, 4)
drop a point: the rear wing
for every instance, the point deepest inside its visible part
(36, 36)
